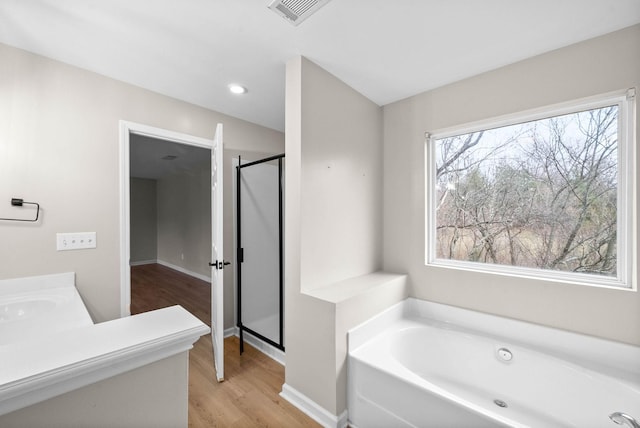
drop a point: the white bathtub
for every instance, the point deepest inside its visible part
(422, 364)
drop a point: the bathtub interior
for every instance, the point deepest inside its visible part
(379, 398)
(536, 382)
(446, 357)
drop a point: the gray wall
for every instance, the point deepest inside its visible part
(341, 178)
(144, 220)
(184, 220)
(151, 396)
(603, 64)
(60, 147)
(333, 217)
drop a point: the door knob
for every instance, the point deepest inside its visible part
(219, 264)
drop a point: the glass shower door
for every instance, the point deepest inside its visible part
(260, 294)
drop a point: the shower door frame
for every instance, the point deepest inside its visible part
(240, 255)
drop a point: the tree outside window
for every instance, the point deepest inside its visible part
(541, 194)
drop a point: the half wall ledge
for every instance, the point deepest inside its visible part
(344, 305)
(85, 355)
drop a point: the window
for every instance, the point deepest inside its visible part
(546, 194)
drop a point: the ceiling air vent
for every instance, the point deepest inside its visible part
(296, 11)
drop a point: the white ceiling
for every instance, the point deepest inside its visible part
(387, 50)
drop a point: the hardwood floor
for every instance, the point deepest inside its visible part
(249, 395)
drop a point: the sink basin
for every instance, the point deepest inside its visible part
(37, 307)
(25, 308)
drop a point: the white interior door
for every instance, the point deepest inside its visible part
(217, 255)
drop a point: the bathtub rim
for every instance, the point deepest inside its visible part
(617, 359)
(369, 346)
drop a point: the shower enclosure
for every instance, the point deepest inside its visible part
(260, 250)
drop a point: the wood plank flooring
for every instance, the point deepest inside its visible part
(249, 395)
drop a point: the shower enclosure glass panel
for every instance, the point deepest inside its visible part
(260, 272)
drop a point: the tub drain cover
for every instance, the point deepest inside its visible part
(500, 403)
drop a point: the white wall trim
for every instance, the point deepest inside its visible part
(125, 220)
(270, 351)
(185, 271)
(143, 262)
(313, 409)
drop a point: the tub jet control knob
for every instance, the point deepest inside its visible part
(505, 354)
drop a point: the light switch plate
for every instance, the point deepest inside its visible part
(75, 241)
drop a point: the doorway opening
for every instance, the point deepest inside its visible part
(170, 225)
(213, 148)
(149, 154)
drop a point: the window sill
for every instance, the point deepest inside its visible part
(534, 274)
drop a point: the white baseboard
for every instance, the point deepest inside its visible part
(313, 409)
(185, 271)
(271, 351)
(143, 262)
(274, 353)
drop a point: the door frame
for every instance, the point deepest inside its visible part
(126, 130)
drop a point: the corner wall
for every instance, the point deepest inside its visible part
(596, 66)
(341, 178)
(333, 213)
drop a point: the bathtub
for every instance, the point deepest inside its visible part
(422, 364)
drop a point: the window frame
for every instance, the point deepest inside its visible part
(626, 246)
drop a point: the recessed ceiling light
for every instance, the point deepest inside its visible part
(169, 157)
(237, 89)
